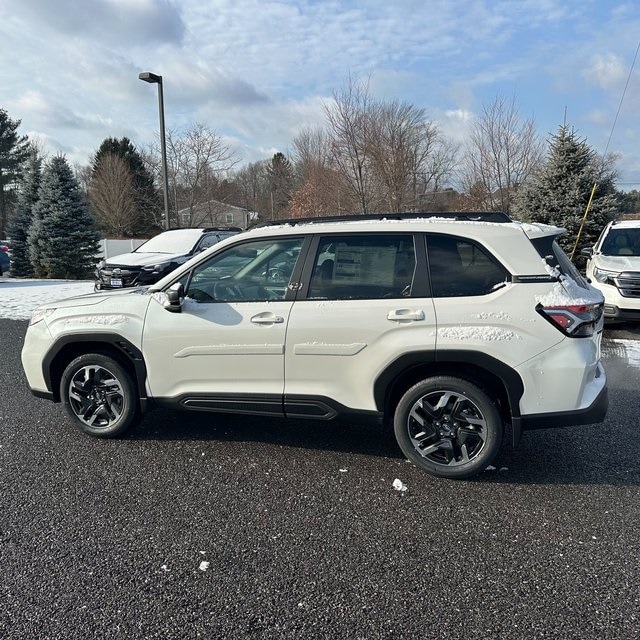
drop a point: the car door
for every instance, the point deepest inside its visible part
(225, 349)
(364, 304)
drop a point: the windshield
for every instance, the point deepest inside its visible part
(621, 242)
(178, 241)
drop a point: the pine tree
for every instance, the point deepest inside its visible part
(21, 220)
(63, 242)
(14, 151)
(560, 192)
(281, 178)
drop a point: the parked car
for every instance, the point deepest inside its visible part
(5, 262)
(443, 326)
(157, 257)
(614, 269)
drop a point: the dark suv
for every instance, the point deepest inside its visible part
(157, 257)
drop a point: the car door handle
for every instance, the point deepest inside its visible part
(400, 315)
(267, 318)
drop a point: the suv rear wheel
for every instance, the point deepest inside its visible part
(448, 426)
(99, 395)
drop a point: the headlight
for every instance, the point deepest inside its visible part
(157, 267)
(603, 276)
(40, 314)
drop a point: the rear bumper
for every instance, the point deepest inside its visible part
(594, 413)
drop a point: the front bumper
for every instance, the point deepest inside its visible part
(105, 279)
(613, 313)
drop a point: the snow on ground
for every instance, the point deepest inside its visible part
(19, 297)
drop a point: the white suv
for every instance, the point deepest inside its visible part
(445, 326)
(614, 268)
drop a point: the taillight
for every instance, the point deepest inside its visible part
(574, 320)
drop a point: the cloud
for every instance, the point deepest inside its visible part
(124, 22)
(606, 71)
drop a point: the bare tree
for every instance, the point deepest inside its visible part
(349, 119)
(410, 156)
(252, 182)
(502, 154)
(197, 159)
(311, 150)
(321, 189)
(113, 197)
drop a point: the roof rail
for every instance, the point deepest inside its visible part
(467, 216)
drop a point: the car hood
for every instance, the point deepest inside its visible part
(617, 263)
(143, 259)
(89, 299)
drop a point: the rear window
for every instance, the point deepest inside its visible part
(551, 252)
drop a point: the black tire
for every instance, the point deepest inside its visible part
(448, 427)
(99, 395)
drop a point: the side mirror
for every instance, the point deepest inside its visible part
(587, 251)
(175, 298)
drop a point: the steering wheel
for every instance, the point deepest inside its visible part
(226, 292)
(199, 295)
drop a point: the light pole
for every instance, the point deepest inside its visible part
(152, 78)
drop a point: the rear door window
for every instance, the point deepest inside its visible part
(459, 267)
(363, 266)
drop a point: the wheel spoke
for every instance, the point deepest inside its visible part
(441, 446)
(467, 432)
(423, 412)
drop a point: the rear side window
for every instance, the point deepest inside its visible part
(367, 266)
(551, 252)
(459, 267)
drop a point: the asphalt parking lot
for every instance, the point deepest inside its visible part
(203, 526)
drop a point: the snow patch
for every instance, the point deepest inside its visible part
(567, 292)
(398, 485)
(21, 297)
(485, 334)
(108, 319)
(492, 315)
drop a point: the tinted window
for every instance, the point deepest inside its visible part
(554, 256)
(462, 268)
(363, 266)
(250, 271)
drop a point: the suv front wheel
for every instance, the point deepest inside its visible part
(448, 427)
(99, 395)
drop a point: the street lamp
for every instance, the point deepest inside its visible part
(152, 78)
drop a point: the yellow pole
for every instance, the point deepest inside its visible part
(584, 219)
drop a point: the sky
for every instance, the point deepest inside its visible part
(258, 71)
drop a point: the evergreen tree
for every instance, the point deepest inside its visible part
(14, 151)
(560, 192)
(629, 202)
(138, 183)
(21, 220)
(63, 242)
(281, 179)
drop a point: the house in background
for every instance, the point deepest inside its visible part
(216, 214)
